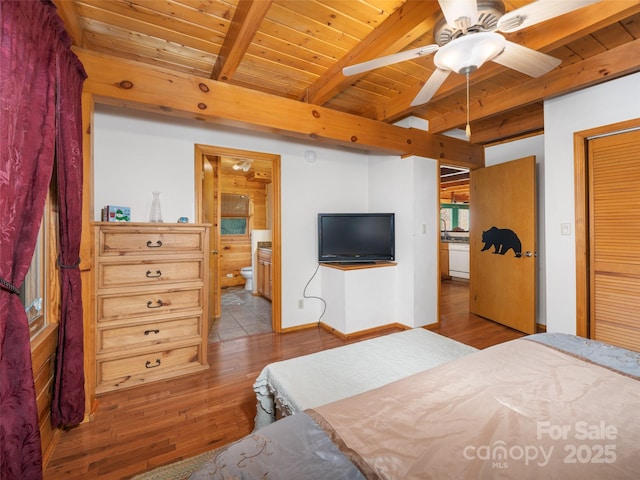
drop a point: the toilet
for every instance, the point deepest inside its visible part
(247, 273)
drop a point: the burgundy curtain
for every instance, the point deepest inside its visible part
(68, 393)
(30, 39)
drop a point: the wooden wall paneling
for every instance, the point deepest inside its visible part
(43, 364)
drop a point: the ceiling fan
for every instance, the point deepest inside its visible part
(467, 37)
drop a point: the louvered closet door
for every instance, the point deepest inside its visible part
(614, 178)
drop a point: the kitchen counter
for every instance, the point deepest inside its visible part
(454, 237)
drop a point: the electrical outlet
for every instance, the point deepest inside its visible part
(301, 303)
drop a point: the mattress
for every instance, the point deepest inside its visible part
(293, 385)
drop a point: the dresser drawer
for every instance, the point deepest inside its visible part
(121, 337)
(114, 374)
(122, 240)
(155, 302)
(149, 273)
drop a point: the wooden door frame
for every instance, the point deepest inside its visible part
(581, 188)
(201, 153)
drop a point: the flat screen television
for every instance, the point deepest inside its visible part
(356, 237)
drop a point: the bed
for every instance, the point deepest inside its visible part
(546, 405)
(308, 381)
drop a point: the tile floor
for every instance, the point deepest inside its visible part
(242, 314)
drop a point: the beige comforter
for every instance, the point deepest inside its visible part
(540, 414)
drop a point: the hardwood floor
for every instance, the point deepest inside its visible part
(456, 322)
(140, 429)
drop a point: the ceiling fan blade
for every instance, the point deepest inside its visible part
(389, 60)
(526, 60)
(537, 12)
(455, 11)
(431, 86)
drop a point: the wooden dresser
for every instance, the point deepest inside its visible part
(151, 291)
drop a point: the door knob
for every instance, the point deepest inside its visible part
(214, 251)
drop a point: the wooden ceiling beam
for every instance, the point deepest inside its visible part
(522, 122)
(244, 25)
(608, 65)
(133, 85)
(543, 37)
(402, 27)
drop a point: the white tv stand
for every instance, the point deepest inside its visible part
(359, 296)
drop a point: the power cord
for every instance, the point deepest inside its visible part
(304, 294)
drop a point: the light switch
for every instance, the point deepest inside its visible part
(565, 229)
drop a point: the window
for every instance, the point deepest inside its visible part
(234, 215)
(32, 291)
(41, 284)
(454, 216)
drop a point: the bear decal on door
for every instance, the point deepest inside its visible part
(502, 240)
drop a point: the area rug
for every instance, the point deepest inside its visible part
(181, 470)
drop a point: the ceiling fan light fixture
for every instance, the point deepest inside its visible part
(466, 54)
(243, 165)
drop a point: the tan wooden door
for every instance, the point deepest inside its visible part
(211, 213)
(503, 244)
(614, 224)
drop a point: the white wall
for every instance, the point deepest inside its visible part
(136, 153)
(419, 279)
(409, 187)
(608, 103)
(426, 240)
(506, 152)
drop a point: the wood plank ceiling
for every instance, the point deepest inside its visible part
(296, 49)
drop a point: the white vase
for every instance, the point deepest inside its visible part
(156, 214)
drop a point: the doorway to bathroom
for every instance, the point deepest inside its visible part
(238, 194)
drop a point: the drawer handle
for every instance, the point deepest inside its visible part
(148, 332)
(151, 245)
(158, 274)
(148, 364)
(157, 305)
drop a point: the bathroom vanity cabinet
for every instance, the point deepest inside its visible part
(151, 291)
(264, 272)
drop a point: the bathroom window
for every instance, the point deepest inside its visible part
(234, 215)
